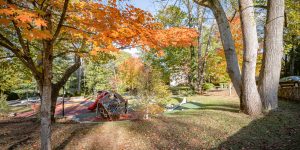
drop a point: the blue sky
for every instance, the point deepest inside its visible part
(147, 5)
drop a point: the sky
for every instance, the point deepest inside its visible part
(147, 5)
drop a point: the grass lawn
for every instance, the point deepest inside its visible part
(206, 122)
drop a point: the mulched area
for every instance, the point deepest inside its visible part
(76, 110)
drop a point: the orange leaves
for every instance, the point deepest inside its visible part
(4, 21)
(177, 37)
(104, 26)
(21, 15)
(28, 20)
(24, 17)
(131, 66)
(37, 34)
(2, 2)
(40, 22)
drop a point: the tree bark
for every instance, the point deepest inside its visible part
(192, 50)
(54, 96)
(227, 42)
(273, 51)
(46, 97)
(200, 58)
(250, 96)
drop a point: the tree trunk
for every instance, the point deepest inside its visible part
(192, 50)
(54, 96)
(227, 42)
(250, 96)
(286, 65)
(46, 100)
(273, 51)
(292, 62)
(200, 58)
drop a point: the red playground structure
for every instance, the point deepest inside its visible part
(109, 105)
(100, 95)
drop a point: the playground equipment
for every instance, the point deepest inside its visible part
(109, 105)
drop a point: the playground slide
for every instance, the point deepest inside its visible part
(94, 105)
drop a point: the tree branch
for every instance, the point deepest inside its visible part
(62, 18)
(25, 59)
(5, 45)
(260, 6)
(68, 73)
(6, 40)
(235, 12)
(204, 3)
(66, 52)
(77, 29)
(20, 38)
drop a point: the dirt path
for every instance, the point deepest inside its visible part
(109, 136)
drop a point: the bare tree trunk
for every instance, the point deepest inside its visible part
(46, 98)
(292, 62)
(203, 61)
(200, 58)
(227, 42)
(250, 94)
(54, 96)
(79, 71)
(273, 51)
(189, 7)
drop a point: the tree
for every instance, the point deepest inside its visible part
(129, 73)
(37, 32)
(227, 42)
(172, 16)
(201, 61)
(291, 38)
(98, 72)
(273, 47)
(273, 51)
(250, 95)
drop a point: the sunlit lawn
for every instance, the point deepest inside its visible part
(204, 123)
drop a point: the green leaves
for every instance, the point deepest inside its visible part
(172, 16)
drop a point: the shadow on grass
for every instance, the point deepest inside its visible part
(277, 130)
(171, 133)
(77, 130)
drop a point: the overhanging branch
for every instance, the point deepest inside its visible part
(68, 73)
(62, 18)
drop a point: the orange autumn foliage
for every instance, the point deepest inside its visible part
(104, 26)
(130, 70)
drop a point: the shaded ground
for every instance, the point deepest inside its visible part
(205, 123)
(75, 109)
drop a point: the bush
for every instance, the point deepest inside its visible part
(182, 90)
(208, 86)
(3, 103)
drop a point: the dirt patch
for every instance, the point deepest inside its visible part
(23, 133)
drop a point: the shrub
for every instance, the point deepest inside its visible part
(182, 90)
(3, 103)
(208, 86)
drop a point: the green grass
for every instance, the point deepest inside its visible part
(204, 123)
